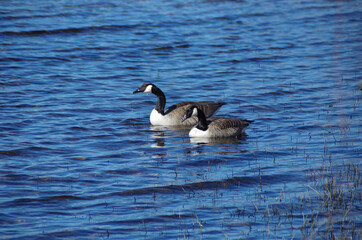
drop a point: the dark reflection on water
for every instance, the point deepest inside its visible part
(79, 159)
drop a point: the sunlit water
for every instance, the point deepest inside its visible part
(80, 160)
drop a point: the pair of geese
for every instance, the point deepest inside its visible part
(197, 114)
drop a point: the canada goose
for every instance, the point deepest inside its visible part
(214, 127)
(174, 114)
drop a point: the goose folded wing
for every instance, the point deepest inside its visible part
(225, 123)
(208, 107)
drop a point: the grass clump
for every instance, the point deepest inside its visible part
(333, 211)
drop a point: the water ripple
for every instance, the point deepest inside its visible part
(70, 30)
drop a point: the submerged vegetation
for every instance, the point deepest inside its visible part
(333, 212)
(329, 208)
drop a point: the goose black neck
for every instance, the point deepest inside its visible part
(202, 123)
(161, 103)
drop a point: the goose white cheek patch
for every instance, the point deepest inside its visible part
(194, 112)
(148, 89)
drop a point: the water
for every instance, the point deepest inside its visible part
(80, 160)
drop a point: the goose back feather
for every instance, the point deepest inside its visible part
(227, 127)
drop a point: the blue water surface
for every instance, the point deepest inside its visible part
(80, 160)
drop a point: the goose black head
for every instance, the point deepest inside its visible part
(146, 88)
(190, 112)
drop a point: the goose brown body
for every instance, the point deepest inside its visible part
(215, 127)
(173, 115)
